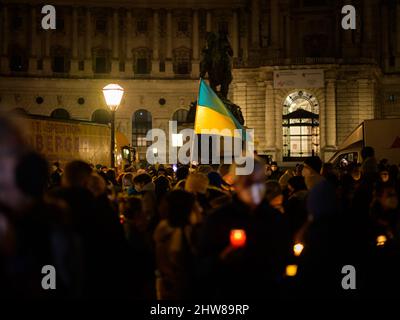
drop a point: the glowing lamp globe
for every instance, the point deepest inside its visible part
(113, 95)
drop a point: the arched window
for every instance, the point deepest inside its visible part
(141, 124)
(300, 126)
(180, 117)
(101, 116)
(60, 114)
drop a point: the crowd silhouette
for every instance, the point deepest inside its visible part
(196, 232)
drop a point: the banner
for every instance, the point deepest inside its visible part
(64, 141)
(306, 78)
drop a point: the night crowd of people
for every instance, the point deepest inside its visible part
(164, 232)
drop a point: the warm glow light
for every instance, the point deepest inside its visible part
(298, 249)
(238, 238)
(291, 270)
(381, 240)
(113, 95)
(177, 140)
(155, 150)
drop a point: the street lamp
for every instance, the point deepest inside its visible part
(113, 94)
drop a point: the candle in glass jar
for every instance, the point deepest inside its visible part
(238, 238)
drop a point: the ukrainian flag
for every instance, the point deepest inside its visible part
(211, 113)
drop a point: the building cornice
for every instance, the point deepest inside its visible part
(155, 4)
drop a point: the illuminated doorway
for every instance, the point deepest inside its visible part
(300, 122)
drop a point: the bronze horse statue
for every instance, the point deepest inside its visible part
(216, 61)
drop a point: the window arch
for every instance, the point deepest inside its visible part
(101, 116)
(60, 114)
(300, 123)
(141, 124)
(180, 117)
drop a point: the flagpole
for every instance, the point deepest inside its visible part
(195, 118)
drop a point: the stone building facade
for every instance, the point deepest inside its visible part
(152, 48)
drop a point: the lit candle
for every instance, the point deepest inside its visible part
(298, 249)
(381, 240)
(291, 270)
(238, 238)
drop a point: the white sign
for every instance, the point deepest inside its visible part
(307, 78)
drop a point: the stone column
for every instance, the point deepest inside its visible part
(385, 35)
(255, 23)
(88, 44)
(46, 58)
(115, 44)
(287, 36)
(74, 42)
(278, 111)
(366, 108)
(330, 117)
(129, 35)
(368, 29)
(155, 65)
(244, 37)
(274, 24)
(208, 21)
(235, 34)
(347, 36)
(168, 62)
(398, 35)
(195, 45)
(33, 40)
(270, 128)
(4, 67)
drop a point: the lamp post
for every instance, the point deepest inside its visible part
(113, 95)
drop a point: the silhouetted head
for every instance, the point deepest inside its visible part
(141, 180)
(367, 152)
(179, 205)
(182, 173)
(77, 174)
(32, 174)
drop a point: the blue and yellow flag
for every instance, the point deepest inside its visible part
(211, 113)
